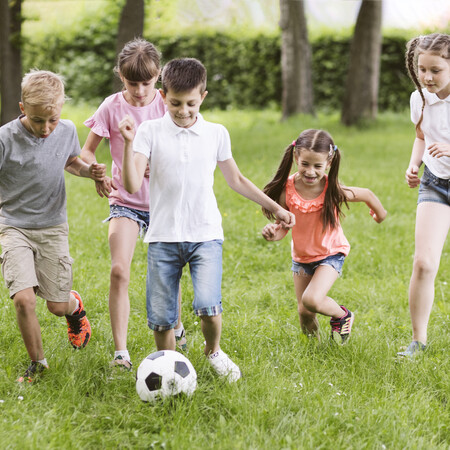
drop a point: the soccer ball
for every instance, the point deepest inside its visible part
(163, 374)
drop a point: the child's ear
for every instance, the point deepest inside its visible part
(22, 109)
(163, 94)
(204, 95)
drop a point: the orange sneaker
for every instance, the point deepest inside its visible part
(78, 326)
(34, 371)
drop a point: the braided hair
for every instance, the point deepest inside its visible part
(437, 44)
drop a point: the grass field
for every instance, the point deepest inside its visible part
(295, 392)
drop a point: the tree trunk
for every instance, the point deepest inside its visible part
(361, 89)
(296, 60)
(131, 25)
(10, 58)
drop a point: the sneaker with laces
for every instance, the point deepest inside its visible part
(34, 371)
(78, 326)
(121, 362)
(181, 340)
(223, 366)
(342, 327)
(413, 349)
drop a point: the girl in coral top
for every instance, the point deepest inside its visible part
(319, 246)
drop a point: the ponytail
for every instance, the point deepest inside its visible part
(275, 187)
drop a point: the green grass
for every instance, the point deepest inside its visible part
(295, 393)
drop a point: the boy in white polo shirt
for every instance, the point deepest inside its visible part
(183, 150)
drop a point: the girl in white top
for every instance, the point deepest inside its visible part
(139, 69)
(428, 63)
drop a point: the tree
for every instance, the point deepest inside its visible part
(131, 25)
(10, 58)
(361, 89)
(296, 60)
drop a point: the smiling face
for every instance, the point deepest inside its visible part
(139, 93)
(434, 74)
(312, 166)
(183, 107)
(40, 120)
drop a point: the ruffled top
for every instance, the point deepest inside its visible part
(309, 241)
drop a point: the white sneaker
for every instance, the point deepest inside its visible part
(223, 366)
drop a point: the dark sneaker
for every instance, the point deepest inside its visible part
(413, 349)
(121, 362)
(78, 327)
(181, 340)
(342, 327)
(33, 372)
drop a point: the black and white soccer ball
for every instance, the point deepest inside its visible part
(165, 373)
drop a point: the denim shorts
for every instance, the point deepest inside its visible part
(165, 265)
(142, 218)
(433, 189)
(334, 261)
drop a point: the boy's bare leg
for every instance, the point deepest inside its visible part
(164, 340)
(25, 304)
(212, 329)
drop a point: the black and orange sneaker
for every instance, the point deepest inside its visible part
(34, 371)
(78, 326)
(342, 327)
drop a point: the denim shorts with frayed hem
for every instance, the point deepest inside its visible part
(142, 218)
(334, 261)
(433, 189)
(165, 265)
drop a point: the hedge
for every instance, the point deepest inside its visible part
(243, 70)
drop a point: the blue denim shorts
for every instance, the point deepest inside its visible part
(141, 217)
(165, 265)
(334, 261)
(433, 189)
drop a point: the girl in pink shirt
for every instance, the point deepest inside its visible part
(139, 69)
(319, 246)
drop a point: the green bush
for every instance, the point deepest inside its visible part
(243, 69)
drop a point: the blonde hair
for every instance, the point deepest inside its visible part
(44, 88)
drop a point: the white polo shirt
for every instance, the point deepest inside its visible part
(435, 127)
(183, 207)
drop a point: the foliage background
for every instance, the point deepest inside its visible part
(243, 66)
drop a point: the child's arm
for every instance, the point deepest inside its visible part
(415, 162)
(104, 187)
(78, 167)
(357, 194)
(245, 187)
(133, 164)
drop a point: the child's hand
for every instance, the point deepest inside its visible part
(126, 127)
(285, 218)
(269, 232)
(97, 171)
(147, 172)
(378, 217)
(105, 187)
(439, 149)
(412, 176)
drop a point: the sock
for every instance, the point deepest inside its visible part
(78, 305)
(43, 362)
(179, 331)
(123, 353)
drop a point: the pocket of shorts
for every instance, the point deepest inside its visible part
(7, 276)
(65, 273)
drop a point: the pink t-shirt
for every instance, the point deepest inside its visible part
(105, 123)
(309, 241)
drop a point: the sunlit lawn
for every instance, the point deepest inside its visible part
(295, 393)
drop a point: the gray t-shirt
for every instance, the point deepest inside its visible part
(32, 188)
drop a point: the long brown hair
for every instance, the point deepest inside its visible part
(321, 142)
(436, 43)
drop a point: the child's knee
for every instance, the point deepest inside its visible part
(25, 301)
(58, 308)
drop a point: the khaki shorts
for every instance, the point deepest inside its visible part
(39, 259)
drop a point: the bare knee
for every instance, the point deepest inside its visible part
(424, 267)
(58, 308)
(25, 301)
(309, 303)
(120, 274)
